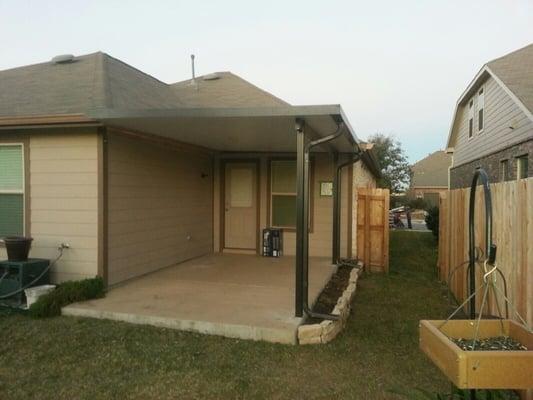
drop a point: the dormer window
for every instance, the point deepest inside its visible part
(480, 110)
(471, 119)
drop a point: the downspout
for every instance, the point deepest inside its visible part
(336, 236)
(302, 229)
(335, 233)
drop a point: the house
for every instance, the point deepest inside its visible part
(137, 175)
(430, 177)
(492, 126)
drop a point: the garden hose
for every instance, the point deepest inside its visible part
(5, 296)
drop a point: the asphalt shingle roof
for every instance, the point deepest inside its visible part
(225, 90)
(516, 72)
(96, 81)
(431, 170)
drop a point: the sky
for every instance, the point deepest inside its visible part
(396, 67)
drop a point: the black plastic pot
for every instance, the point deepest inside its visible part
(17, 247)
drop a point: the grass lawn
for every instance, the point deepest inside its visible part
(75, 358)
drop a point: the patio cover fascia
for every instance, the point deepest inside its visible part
(258, 129)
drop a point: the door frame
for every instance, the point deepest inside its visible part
(222, 205)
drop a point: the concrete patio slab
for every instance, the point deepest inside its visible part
(238, 296)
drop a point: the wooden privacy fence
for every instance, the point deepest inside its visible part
(373, 228)
(512, 210)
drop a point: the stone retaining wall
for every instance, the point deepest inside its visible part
(326, 330)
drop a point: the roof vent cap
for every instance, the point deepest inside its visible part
(63, 59)
(212, 77)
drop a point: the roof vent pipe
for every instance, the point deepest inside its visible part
(192, 65)
(193, 80)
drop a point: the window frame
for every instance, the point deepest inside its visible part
(470, 125)
(481, 108)
(504, 170)
(270, 193)
(24, 190)
(519, 160)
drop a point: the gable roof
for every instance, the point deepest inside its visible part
(431, 171)
(223, 89)
(515, 70)
(89, 82)
(514, 73)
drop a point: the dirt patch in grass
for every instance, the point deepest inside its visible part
(330, 294)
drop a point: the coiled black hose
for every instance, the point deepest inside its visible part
(5, 296)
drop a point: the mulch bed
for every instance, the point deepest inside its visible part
(490, 344)
(330, 294)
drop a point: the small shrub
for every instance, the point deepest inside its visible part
(417, 203)
(432, 220)
(398, 201)
(66, 293)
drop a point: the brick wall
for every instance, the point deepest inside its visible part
(461, 176)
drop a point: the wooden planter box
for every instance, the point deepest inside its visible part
(479, 369)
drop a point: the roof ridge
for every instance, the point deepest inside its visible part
(100, 81)
(134, 68)
(508, 54)
(200, 76)
(258, 88)
(237, 77)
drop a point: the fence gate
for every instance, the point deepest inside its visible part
(373, 228)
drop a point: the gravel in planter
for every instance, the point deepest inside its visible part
(490, 344)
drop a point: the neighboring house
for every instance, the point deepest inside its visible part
(492, 127)
(136, 174)
(430, 177)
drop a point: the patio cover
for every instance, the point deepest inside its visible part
(264, 129)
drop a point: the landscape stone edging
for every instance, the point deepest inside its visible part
(327, 330)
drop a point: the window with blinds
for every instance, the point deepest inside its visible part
(11, 190)
(522, 167)
(283, 193)
(504, 168)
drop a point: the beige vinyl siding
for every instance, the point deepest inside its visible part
(320, 236)
(64, 200)
(500, 112)
(159, 206)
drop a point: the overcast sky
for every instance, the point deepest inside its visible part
(396, 67)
